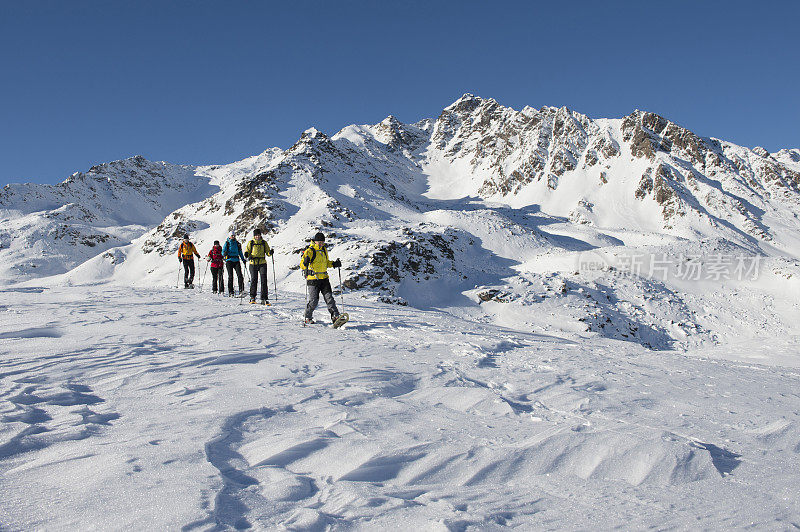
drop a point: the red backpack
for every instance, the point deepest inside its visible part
(216, 256)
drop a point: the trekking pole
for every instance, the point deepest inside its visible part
(202, 279)
(274, 281)
(178, 284)
(341, 288)
(303, 314)
(247, 274)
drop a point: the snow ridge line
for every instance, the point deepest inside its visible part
(229, 510)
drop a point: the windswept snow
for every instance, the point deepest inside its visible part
(144, 408)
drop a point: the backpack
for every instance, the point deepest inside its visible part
(313, 256)
(232, 248)
(216, 256)
(262, 244)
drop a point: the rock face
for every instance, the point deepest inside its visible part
(559, 158)
(475, 204)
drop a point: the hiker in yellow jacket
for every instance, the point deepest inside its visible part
(257, 251)
(315, 264)
(186, 254)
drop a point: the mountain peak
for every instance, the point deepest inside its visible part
(468, 103)
(313, 133)
(391, 120)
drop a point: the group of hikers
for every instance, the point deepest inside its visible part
(314, 264)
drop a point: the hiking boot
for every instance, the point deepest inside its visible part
(252, 301)
(264, 302)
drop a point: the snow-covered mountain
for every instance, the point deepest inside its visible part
(497, 211)
(49, 229)
(556, 322)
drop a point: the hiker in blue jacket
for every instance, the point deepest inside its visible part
(232, 253)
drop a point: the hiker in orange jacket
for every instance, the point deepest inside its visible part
(186, 254)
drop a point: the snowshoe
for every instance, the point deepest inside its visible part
(252, 301)
(265, 302)
(340, 320)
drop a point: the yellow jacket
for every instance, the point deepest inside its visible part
(187, 251)
(315, 260)
(258, 252)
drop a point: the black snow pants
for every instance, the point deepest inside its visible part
(236, 266)
(188, 271)
(255, 271)
(314, 287)
(217, 279)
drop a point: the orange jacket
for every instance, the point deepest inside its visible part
(187, 250)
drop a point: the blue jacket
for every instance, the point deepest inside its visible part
(232, 251)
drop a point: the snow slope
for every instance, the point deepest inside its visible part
(49, 229)
(149, 408)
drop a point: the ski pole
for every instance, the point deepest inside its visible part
(341, 288)
(241, 292)
(274, 281)
(303, 314)
(247, 272)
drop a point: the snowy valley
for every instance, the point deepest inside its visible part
(556, 321)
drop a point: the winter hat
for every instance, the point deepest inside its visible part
(216, 242)
(256, 232)
(319, 237)
(233, 235)
(186, 236)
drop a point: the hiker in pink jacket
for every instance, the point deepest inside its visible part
(215, 256)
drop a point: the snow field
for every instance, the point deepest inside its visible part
(161, 408)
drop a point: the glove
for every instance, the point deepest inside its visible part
(337, 263)
(271, 251)
(180, 260)
(306, 273)
(247, 254)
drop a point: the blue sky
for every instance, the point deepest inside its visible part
(213, 82)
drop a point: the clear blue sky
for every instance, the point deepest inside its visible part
(213, 82)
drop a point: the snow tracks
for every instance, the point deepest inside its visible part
(182, 410)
